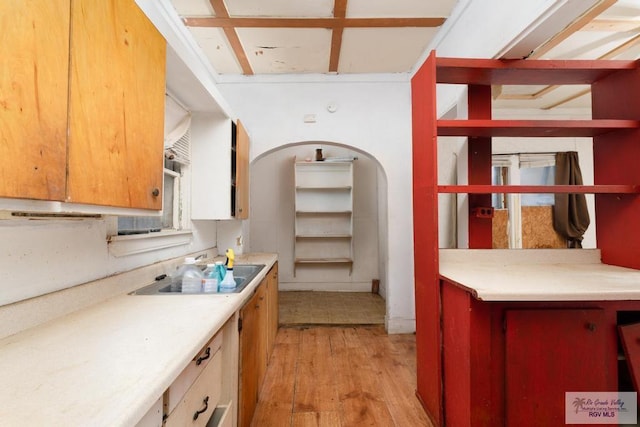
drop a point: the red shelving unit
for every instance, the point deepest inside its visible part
(615, 128)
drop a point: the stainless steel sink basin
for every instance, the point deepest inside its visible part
(242, 273)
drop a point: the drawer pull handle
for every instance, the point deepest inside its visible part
(207, 354)
(203, 410)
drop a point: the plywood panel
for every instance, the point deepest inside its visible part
(500, 235)
(537, 229)
(116, 111)
(34, 47)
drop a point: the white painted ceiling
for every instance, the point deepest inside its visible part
(611, 30)
(256, 37)
(286, 36)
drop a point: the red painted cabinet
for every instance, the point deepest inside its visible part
(510, 363)
(549, 352)
(475, 358)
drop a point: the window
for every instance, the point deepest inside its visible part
(171, 228)
(171, 209)
(512, 210)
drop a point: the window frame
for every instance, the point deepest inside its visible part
(513, 202)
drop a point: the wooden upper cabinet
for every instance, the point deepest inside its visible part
(82, 87)
(34, 47)
(116, 106)
(242, 173)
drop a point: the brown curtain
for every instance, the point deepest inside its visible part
(570, 215)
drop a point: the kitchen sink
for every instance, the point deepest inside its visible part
(242, 273)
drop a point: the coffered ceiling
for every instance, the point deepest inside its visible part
(257, 37)
(313, 36)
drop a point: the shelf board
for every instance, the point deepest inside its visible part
(323, 261)
(324, 236)
(540, 189)
(532, 128)
(530, 72)
(323, 212)
(338, 188)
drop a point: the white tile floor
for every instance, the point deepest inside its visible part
(337, 308)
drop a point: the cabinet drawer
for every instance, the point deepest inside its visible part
(197, 405)
(222, 417)
(191, 372)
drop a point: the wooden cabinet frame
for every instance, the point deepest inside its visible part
(85, 96)
(615, 129)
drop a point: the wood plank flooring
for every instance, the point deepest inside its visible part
(340, 376)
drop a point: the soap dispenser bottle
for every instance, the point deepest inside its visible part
(228, 284)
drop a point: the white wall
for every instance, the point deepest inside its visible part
(272, 220)
(43, 256)
(372, 116)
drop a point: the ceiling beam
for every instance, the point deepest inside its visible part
(330, 23)
(339, 11)
(232, 36)
(612, 25)
(583, 23)
(609, 55)
(574, 27)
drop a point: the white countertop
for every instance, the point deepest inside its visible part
(107, 364)
(538, 275)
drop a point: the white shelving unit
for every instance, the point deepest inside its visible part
(324, 213)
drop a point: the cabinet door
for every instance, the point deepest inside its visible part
(550, 352)
(34, 47)
(116, 110)
(220, 158)
(251, 355)
(242, 173)
(272, 312)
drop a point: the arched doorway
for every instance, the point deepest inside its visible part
(272, 216)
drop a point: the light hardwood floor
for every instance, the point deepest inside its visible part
(340, 376)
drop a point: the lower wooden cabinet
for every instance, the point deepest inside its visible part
(546, 356)
(204, 394)
(511, 362)
(259, 324)
(198, 403)
(186, 379)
